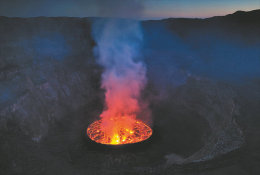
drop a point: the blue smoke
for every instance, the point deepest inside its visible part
(53, 46)
(171, 58)
(49, 45)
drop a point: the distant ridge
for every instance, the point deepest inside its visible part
(245, 25)
(237, 14)
(253, 15)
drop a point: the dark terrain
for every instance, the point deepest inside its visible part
(203, 90)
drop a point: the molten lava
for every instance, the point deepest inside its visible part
(119, 134)
(123, 79)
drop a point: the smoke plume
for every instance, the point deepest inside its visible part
(124, 77)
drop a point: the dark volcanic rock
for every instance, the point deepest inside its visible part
(42, 77)
(203, 90)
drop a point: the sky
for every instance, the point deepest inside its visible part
(140, 9)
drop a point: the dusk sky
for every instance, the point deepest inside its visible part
(142, 9)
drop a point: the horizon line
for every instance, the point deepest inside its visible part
(141, 18)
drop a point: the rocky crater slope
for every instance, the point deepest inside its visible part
(203, 90)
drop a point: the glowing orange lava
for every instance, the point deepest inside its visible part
(121, 135)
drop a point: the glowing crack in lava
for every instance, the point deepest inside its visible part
(123, 79)
(138, 133)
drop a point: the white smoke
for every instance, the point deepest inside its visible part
(124, 77)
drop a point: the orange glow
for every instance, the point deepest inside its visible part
(118, 122)
(123, 80)
(121, 135)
